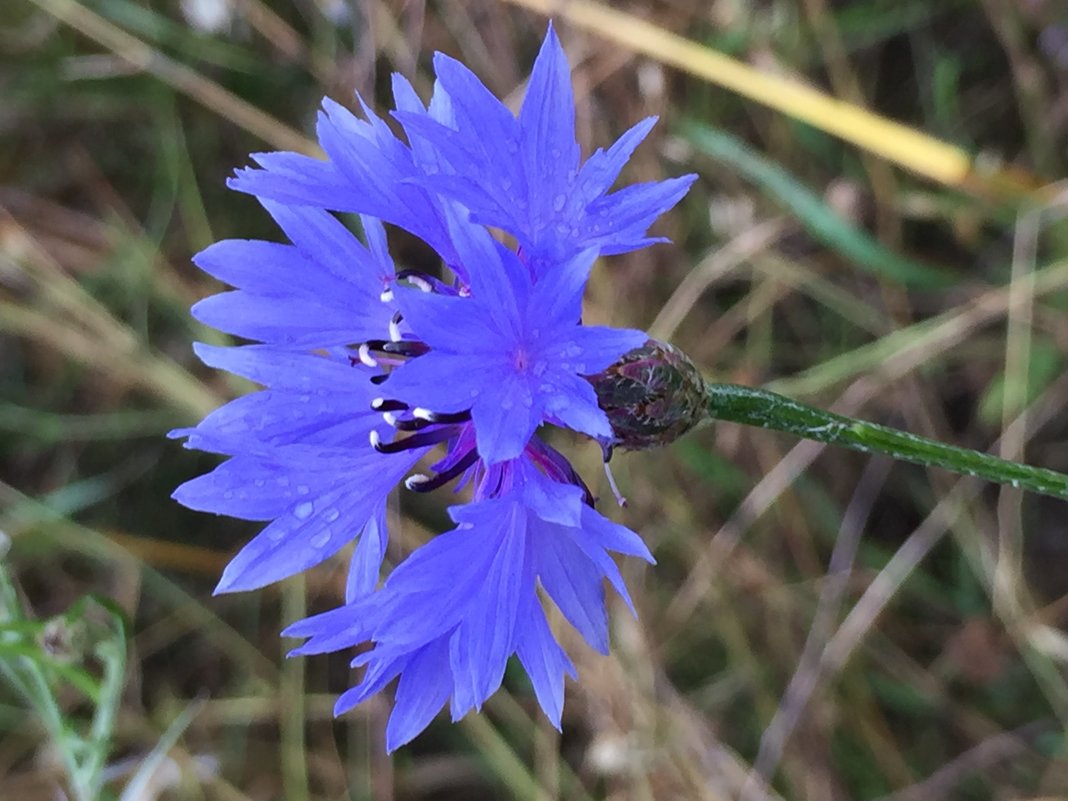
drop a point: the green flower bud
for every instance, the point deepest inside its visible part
(652, 396)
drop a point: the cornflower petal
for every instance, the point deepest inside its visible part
(483, 641)
(367, 557)
(421, 693)
(545, 662)
(574, 585)
(314, 529)
(547, 129)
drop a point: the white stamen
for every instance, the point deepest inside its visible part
(366, 357)
(415, 479)
(390, 418)
(387, 295)
(377, 403)
(375, 439)
(612, 484)
(423, 414)
(421, 283)
(394, 329)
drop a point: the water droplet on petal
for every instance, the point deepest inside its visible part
(302, 511)
(558, 202)
(259, 482)
(302, 489)
(320, 540)
(330, 515)
(228, 494)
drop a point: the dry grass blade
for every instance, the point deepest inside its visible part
(709, 270)
(173, 73)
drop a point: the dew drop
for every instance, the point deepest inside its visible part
(283, 481)
(228, 494)
(539, 367)
(330, 515)
(558, 202)
(302, 489)
(302, 511)
(320, 540)
(259, 482)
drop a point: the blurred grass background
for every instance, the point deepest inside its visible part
(819, 626)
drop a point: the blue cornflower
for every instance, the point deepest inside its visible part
(367, 370)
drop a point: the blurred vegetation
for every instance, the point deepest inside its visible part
(819, 626)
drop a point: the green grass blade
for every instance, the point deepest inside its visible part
(817, 217)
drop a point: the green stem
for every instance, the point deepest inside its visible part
(758, 407)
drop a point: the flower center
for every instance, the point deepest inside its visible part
(521, 359)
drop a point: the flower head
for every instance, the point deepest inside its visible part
(367, 370)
